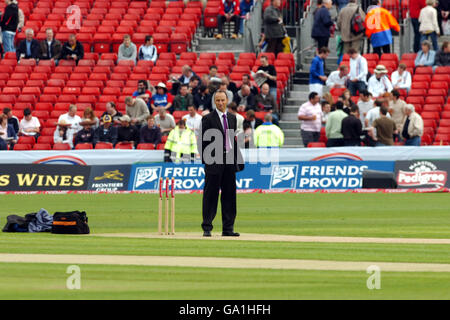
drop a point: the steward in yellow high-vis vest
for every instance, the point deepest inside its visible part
(268, 135)
(181, 143)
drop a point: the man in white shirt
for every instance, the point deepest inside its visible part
(358, 72)
(71, 119)
(365, 104)
(193, 120)
(374, 114)
(401, 79)
(379, 83)
(338, 78)
(29, 126)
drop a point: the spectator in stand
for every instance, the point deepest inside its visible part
(429, 26)
(63, 135)
(28, 48)
(127, 133)
(8, 25)
(187, 74)
(326, 109)
(352, 128)
(247, 81)
(194, 84)
(443, 56)
(270, 73)
(212, 72)
(265, 102)
(346, 99)
(338, 78)
(274, 30)
(150, 133)
(137, 110)
(414, 12)
(29, 125)
(193, 120)
(245, 7)
(112, 111)
(162, 98)
(7, 134)
(412, 128)
(164, 121)
(143, 93)
(183, 100)
(85, 135)
(232, 108)
(230, 85)
(50, 48)
(244, 99)
(72, 49)
(202, 100)
(397, 109)
(106, 132)
(12, 120)
(148, 51)
(328, 98)
(71, 119)
(21, 22)
(229, 11)
(310, 113)
(443, 9)
(374, 113)
(333, 127)
(385, 129)
(249, 125)
(317, 77)
(340, 4)
(127, 50)
(365, 104)
(322, 23)
(379, 83)
(358, 71)
(350, 40)
(89, 116)
(426, 57)
(401, 78)
(268, 135)
(379, 22)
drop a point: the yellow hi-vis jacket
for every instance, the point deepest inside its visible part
(268, 135)
(181, 143)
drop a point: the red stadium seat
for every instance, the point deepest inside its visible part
(124, 146)
(61, 146)
(22, 147)
(104, 145)
(316, 145)
(146, 146)
(26, 140)
(84, 146)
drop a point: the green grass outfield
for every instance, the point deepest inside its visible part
(355, 215)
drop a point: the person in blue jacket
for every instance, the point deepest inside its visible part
(340, 4)
(322, 23)
(245, 7)
(317, 77)
(426, 56)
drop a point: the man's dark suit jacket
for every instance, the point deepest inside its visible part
(55, 48)
(213, 121)
(22, 49)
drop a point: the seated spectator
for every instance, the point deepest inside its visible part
(333, 128)
(150, 133)
(244, 99)
(385, 129)
(271, 75)
(143, 93)
(162, 98)
(265, 102)
(247, 81)
(426, 56)
(194, 84)
(358, 72)
(268, 135)
(326, 109)
(352, 128)
(379, 83)
(212, 72)
(28, 48)
(250, 124)
(127, 133)
(228, 86)
(374, 113)
(72, 49)
(112, 111)
(204, 80)
(397, 109)
(29, 125)
(443, 56)
(412, 128)
(148, 51)
(181, 144)
(183, 100)
(12, 120)
(85, 135)
(127, 50)
(202, 100)
(164, 121)
(90, 118)
(193, 120)
(232, 108)
(401, 79)
(106, 132)
(429, 25)
(71, 119)
(137, 110)
(346, 99)
(244, 7)
(50, 47)
(63, 135)
(365, 104)
(310, 114)
(229, 11)
(7, 134)
(338, 78)
(187, 74)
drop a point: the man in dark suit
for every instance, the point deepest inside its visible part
(222, 159)
(50, 47)
(72, 49)
(28, 48)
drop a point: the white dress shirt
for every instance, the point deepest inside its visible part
(379, 86)
(359, 69)
(335, 79)
(402, 81)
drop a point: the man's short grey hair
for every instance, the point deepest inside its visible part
(430, 2)
(29, 31)
(268, 117)
(410, 107)
(426, 43)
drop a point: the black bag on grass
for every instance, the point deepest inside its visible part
(73, 222)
